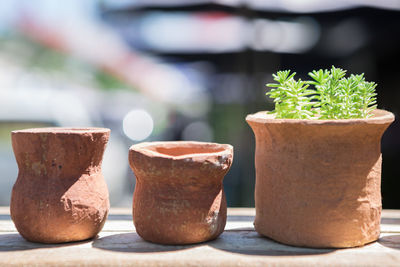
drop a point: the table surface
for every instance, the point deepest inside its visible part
(118, 244)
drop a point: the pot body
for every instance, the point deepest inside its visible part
(60, 194)
(179, 196)
(318, 181)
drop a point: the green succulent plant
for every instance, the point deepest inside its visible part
(334, 95)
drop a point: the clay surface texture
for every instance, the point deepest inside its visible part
(318, 181)
(60, 194)
(179, 196)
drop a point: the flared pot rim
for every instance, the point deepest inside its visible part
(181, 149)
(380, 116)
(62, 130)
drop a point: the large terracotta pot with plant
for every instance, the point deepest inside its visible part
(60, 194)
(318, 180)
(179, 196)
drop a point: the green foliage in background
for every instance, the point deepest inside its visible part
(48, 63)
(334, 96)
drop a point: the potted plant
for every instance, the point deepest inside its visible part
(179, 196)
(318, 161)
(60, 194)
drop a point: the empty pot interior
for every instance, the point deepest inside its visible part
(180, 151)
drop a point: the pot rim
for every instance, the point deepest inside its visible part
(62, 130)
(380, 116)
(145, 148)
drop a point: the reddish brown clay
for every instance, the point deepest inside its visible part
(318, 181)
(60, 194)
(179, 196)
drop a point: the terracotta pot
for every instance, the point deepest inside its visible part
(318, 181)
(60, 194)
(179, 197)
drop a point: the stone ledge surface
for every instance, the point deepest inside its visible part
(119, 245)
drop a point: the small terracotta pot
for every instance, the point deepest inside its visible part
(60, 194)
(179, 197)
(318, 181)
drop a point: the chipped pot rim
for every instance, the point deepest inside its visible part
(62, 130)
(380, 116)
(165, 149)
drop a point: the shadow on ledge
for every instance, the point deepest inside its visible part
(390, 220)
(390, 241)
(121, 217)
(132, 242)
(15, 242)
(251, 243)
(240, 218)
(242, 242)
(5, 217)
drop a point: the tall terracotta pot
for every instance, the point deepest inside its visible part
(60, 194)
(179, 197)
(318, 181)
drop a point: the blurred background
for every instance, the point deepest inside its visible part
(183, 70)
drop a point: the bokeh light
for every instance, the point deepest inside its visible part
(137, 124)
